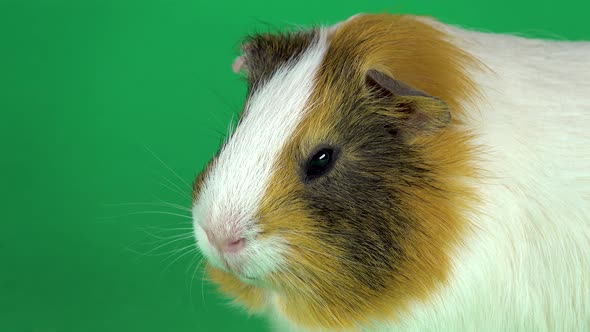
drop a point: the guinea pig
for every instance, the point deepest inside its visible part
(395, 173)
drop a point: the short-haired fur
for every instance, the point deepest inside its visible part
(426, 193)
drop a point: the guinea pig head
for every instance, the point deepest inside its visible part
(337, 199)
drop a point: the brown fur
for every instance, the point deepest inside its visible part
(325, 284)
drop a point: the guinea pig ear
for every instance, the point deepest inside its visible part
(238, 64)
(416, 113)
(241, 62)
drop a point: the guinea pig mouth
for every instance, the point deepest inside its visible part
(230, 267)
(237, 269)
(234, 267)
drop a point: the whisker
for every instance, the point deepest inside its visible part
(166, 244)
(175, 188)
(227, 103)
(170, 253)
(159, 238)
(194, 260)
(202, 280)
(147, 212)
(166, 165)
(164, 238)
(178, 206)
(176, 251)
(162, 230)
(180, 256)
(203, 284)
(181, 194)
(149, 204)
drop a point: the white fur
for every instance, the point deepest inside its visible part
(238, 180)
(526, 266)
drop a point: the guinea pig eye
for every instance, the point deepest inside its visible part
(320, 163)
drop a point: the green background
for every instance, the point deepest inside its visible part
(102, 103)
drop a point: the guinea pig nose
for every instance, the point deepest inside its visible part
(226, 244)
(235, 245)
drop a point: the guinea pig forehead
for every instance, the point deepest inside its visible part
(334, 110)
(243, 169)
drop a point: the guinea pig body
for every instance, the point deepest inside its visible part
(393, 173)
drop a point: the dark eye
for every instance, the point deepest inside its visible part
(320, 163)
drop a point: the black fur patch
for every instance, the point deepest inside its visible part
(359, 200)
(265, 53)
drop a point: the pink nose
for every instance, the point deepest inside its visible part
(226, 244)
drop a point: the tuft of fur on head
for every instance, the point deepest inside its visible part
(360, 244)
